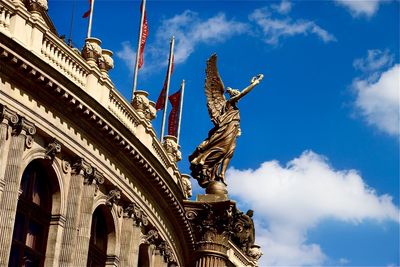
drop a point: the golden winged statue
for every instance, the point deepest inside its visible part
(210, 160)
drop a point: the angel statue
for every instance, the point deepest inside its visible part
(210, 160)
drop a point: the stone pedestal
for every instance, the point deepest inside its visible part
(214, 219)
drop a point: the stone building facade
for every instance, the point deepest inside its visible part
(84, 181)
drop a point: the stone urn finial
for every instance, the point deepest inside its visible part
(91, 51)
(143, 106)
(172, 148)
(105, 61)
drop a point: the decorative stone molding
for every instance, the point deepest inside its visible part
(25, 127)
(172, 148)
(143, 107)
(66, 166)
(187, 186)
(113, 197)
(92, 50)
(134, 211)
(167, 252)
(80, 165)
(8, 116)
(52, 149)
(151, 237)
(213, 224)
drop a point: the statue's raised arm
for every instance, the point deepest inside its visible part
(210, 160)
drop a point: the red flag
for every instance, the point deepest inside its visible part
(87, 13)
(145, 33)
(161, 98)
(173, 119)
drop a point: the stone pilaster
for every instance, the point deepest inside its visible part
(21, 138)
(158, 259)
(80, 170)
(85, 219)
(8, 118)
(54, 240)
(133, 221)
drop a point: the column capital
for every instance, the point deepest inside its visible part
(52, 149)
(8, 116)
(137, 214)
(25, 127)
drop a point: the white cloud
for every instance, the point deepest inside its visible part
(377, 91)
(358, 8)
(289, 200)
(276, 28)
(127, 55)
(375, 61)
(284, 7)
(190, 30)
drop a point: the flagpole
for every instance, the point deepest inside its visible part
(89, 31)
(171, 56)
(138, 49)
(180, 111)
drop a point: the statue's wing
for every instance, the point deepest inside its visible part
(214, 88)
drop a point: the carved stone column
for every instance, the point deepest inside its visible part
(21, 138)
(213, 222)
(80, 169)
(134, 220)
(91, 183)
(8, 118)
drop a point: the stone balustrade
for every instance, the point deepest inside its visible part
(59, 55)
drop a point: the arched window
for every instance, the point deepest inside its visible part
(98, 239)
(32, 219)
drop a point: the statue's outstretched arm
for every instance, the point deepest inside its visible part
(254, 81)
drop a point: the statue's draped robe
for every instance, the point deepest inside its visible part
(210, 160)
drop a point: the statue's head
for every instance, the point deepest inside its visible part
(250, 213)
(232, 92)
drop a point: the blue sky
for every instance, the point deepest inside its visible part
(318, 159)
